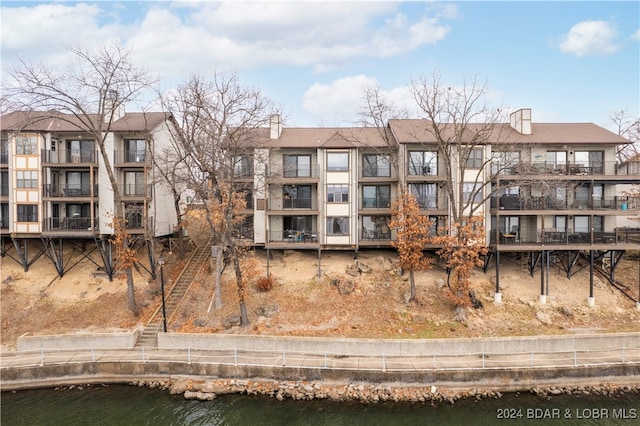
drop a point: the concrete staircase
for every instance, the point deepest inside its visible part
(173, 297)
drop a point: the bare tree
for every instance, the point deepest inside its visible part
(89, 94)
(628, 127)
(217, 132)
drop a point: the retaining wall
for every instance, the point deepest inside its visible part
(399, 347)
(114, 340)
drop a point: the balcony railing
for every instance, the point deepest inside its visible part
(297, 173)
(567, 237)
(607, 168)
(377, 202)
(70, 190)
(517, 202)
(368, 234)
(69, 156)
(135, 190)
(132, 157)
(75, 223)
(293, 236)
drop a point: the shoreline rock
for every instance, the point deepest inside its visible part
(366, 393)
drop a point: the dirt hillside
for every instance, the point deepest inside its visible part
(370, 304)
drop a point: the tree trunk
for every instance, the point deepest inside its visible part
(218, 281)
(131, 295)
(412, 280)
(244, 319)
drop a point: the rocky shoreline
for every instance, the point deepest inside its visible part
(207, 390)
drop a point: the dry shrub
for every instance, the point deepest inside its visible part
(265, 283)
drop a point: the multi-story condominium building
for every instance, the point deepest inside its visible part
(56, 190)
(548, 191)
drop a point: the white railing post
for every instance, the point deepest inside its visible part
(531, 360)
(189, 355)
(284, 358)
(325, 360)
(41, 357)
(235, 356)
(143, 360)
(384, 364)
(93, 355)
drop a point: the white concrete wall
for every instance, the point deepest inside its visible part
(114, 340)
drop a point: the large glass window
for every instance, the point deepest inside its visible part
(296, 196)
(4, 215)
(26, 145)
(376, 227)
(243, 166)
(78, 183)
(426, 195)
(338, 226)
(297, 223)
(27, 212)
(134, 183)
(4, 150)
(135, 150)
(4, 183)
(81, 151)
(27, 179)
(134, 215)
(423, 163)
(581, 224)
(337, 193)
(374, 165)
(376, 196)
(297, 165)
(472, 192)
(337, 161)
(591, 159)
(505, 162)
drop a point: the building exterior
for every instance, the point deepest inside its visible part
(56, 190)
(551, 191)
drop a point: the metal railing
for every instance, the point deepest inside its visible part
(69, 156)
(519, 202)
(327, 360)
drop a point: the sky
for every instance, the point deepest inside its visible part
(575, 61)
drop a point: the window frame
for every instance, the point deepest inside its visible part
(475, 158)
(340, 221)
(476, 187)
(26, 145)
(381, 201)
(24, 182)
(337, 193)
(424, 168)
(287, 172)
(424, 197)
(368, 166)
(337, 155)
(27, 213)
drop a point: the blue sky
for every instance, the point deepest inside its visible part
(568, 61)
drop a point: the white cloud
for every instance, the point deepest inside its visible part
(590, 38)
(636, 36)
(181, 37)
(341, 99)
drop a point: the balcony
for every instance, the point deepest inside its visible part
(69, 157)
(293, 237)
(369, 234)
(569, 170)
(69, 191)
(278, 204)
(377, 202)
(75, 224)
(555, 237)
(300, 174)
(131, 158)
(138, 190)
(517, 202)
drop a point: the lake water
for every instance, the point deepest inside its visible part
(129, 405)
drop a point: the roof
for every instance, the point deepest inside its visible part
(322, 137)
(419, 131)
(54, 121)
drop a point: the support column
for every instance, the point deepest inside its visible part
(591, 301)
(543, 297)
(319, 260)
(24, 255)
(268, 259)
(152, 257)
(497, 297)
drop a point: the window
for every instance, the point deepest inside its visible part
(557, 158)
(375, 165)
(26, 145)
(243, 167)
(337, 193)
(426, 195)
(376, 227)
(560, 223)
(593, 159)
(4, 150)
(509, 224)
(296, 196)
(472, 192)
(297, 165)
(505, 162)
(133, 214)
(474, 161)
(27, 212)
(423, 163)
(135, 150)
(297, 223)
(134, 183)
(80, 151)
(337, 226)
(4, 215)
(78, 183)
(26, 179)
(337, 161)
(376, 196)
(4, 183)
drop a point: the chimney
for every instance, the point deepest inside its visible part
(520, 121)
(276, 126)
(112, 107)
